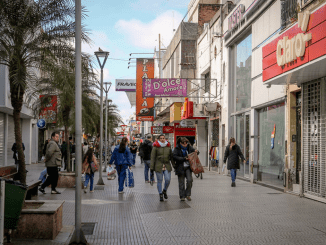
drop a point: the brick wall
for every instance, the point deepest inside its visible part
(205, 13)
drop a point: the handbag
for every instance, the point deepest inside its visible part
(94, 167)
(129, 181)
(195, 164)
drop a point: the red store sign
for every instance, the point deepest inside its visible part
(168, 129)
(303, 43)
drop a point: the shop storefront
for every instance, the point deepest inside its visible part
(298, 57)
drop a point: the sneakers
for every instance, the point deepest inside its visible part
(55, 192)
(164, 194)
(161, 198)
(146, 181)
(152, 182)
(182, 199)
(188, 198)
(233, 184)
(41, 190)
(121, 192)
(85, 189)
(91, 191)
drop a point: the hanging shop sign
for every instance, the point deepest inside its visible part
(303, 43)
(168, 129)
(126, 85)
(187, 109)
(144, 105)
(165, 87)
(175, 112)
(138, 135)
(41, 123)
(49, 108)
(156, 129)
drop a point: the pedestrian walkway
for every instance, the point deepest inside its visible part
(217, 214)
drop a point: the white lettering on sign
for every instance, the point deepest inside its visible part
(289, 50)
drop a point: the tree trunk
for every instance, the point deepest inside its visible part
(17, 94)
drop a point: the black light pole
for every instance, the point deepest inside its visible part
(101, 54)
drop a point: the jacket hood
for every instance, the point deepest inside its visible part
(156, 144)
(147, 142)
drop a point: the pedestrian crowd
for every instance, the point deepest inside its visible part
(158, 157)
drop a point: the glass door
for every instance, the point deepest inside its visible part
(242, 139)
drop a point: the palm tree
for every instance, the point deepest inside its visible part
(59, 79)
(31, 31)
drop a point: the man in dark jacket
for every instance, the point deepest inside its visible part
(232, 153)
(133, 150)
(182, 167)
(147, 150)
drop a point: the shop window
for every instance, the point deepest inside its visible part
(242, 88)
(207, 83)
(271, 151)
(289, 12)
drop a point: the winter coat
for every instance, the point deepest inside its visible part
(14, 149)
(133, 146)
(233, 157)
(161, 155)
(141, 152)
(180, 159)
(87, 167)
(52, 155)
(147, 147)
(121, 158)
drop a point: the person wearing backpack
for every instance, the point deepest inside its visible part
(122, 158)
(89, 158)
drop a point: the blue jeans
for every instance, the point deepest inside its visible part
(146, 169)
(134, 158)
(89, 177)
(167, 179)
(121, 169)
(233, 174)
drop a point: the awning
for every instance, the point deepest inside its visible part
(304, 73)
(132, 98)
(166, 110)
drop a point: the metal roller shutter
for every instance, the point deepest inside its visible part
(313, 139)
(2, 140)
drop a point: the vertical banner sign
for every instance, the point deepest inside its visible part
(144, 106)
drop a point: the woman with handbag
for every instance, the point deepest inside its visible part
(182, 167)
(88, 169)
(232, 154)
(122, 158)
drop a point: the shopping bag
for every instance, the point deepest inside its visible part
(83, 178)
(94, 167)
(110, 171)
(129, 181)
(195, 164)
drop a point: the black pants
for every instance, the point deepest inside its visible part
(185, 191)
(52, 179)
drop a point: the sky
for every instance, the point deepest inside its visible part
(124, 27)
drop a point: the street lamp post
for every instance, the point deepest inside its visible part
(106, 90)
(101, 54)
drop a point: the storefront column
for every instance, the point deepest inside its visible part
(6, 140)
(254, 150)
(202, 142)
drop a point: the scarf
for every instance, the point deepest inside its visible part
(184, 150)
(163, 144)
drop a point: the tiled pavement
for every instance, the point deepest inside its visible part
(217, 214)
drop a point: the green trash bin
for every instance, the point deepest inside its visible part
(15, 194)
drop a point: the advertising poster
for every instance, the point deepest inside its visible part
(156, 129)
(144, 105)
(165, 87)
(49, 108)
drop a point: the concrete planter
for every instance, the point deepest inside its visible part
(40, 219)
(66, 180)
